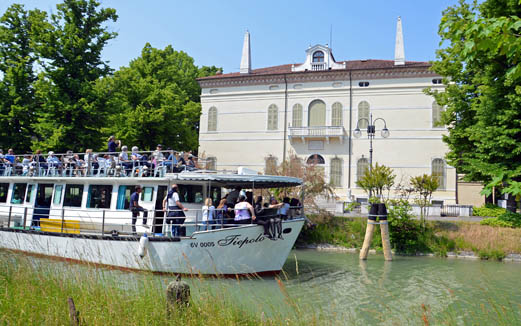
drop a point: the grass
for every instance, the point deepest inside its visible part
(37, 295)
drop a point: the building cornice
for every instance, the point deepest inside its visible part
(319, 76)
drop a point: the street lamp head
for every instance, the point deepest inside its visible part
(385, 133)
(357, 132)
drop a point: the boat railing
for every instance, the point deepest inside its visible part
(121, 223)
(102, 164)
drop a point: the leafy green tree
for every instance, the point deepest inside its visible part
(17, 61)
(376, 180)
(72, 111)
(156, 99)
(424, 185)
(482, 73)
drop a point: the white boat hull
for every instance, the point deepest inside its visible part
(237, 250)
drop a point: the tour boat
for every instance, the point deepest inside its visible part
(83, 215)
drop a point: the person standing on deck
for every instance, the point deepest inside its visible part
(135, 209)
(244, 212)
(113, 144)
(175, 211)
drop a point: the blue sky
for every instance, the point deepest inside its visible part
(212, 31)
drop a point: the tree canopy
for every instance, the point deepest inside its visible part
(156, 99)
(481, 67)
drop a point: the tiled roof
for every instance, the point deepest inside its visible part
(350, 65)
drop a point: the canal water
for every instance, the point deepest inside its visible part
(338, 289)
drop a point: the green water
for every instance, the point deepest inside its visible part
(338, 289)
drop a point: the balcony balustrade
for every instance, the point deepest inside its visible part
(317, 132)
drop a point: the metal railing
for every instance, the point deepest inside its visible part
(317, 131)
(456, 210)
(102, 164)
(157, 223)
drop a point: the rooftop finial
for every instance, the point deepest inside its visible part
(246, 55)
(399, 52)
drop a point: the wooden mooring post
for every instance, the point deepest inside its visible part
(377, 211)
(74, 315)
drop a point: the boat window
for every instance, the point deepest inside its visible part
(190, 194)
(124, 193)
(73, 195)
(44, 195)
(4, 187)
(58, 194)
(147, 194)
(99, 196)
(18, 193)
(30, 191)
(215, 194)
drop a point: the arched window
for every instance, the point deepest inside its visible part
(438, 171)
(271, 165)
(273, 117)
(315, 159)
(212, 119)
(318, 56)
(335, 177)
(361, 167)
(363, 114)
(317, 113)
(336, 114)
(436, 115)
(211, 163)
(296, 120)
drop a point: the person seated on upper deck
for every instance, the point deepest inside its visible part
(171, 161)
(244, 212)
(39, 160)
(53, 161)
(9, 158)
(91, 161)
(135, 156)
(69, 164)
(190, 163)
(124, 160)
(26, 164)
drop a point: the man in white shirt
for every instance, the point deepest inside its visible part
(175, 211)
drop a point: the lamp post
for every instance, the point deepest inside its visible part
(371, 132)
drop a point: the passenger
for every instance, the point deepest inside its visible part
(9, 158)
(53, 161)
(208, 214)
(175, 211)
(294, 205)
(262, 218)
(2, 165)
(26, 164)
(124, 159)
(233, 197)
(80, 166)
(244, 212)
(223, 212)
(276, 221)
(190, 164)
(39, 160)
(135, 209)
(171, 162)
(157, 156)
(68, 162)
(284, 209)
(113, 144)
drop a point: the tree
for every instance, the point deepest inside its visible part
(424, 186)
(17, 61)
(482, 73)
(72, 112)
(156, 99)
(376, 180)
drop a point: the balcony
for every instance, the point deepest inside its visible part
(317, 66)
(321, 132)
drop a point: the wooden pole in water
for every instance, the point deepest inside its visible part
(380, 211)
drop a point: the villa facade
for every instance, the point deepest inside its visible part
(258, 118)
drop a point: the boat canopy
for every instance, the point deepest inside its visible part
(247, 181)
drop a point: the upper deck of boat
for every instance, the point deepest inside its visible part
(105, 168)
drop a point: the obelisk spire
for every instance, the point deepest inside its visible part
(246, 55)
(399, 52)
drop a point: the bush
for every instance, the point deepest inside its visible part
(489, 210)
(405, 233)
(494, 221)
(510, 217)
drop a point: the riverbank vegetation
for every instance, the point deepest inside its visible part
(409, 237)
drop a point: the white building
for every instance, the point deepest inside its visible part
(253, 117)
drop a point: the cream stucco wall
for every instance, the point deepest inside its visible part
(243, 139)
